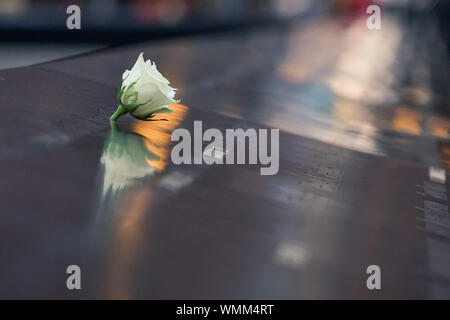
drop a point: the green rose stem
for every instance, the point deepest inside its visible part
(120, 111)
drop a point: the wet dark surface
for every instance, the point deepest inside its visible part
(362, 116)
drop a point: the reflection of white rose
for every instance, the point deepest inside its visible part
(144, 91)
(125, 159)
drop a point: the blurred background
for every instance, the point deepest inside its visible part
(44, 20)
(33, 31)
(374, 81)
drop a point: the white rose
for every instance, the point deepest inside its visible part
(125, 159)
(144, 91)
